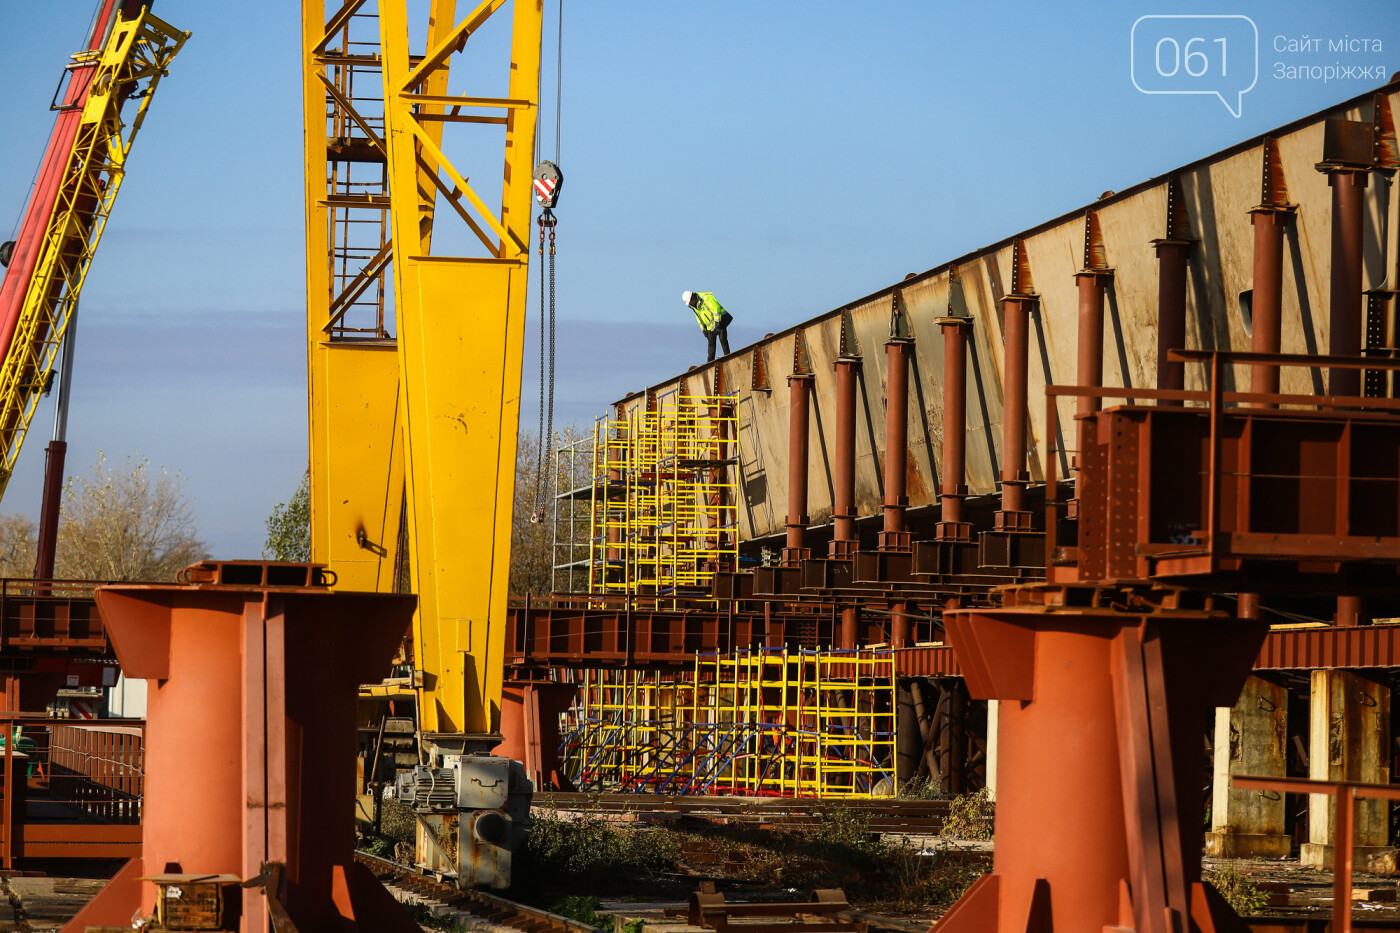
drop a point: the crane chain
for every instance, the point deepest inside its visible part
(545, 429)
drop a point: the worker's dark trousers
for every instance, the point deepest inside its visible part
(722, 332)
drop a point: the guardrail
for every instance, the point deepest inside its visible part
(70, 790)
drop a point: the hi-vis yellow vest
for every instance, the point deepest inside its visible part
(708, 312)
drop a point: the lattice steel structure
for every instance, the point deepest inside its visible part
(665, 512)
(766, 722)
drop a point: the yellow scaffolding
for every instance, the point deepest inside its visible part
(665, 506)
(762, 722)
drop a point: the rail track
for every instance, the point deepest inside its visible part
(463, 907)
(886, 814)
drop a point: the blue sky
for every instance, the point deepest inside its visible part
(787, 156)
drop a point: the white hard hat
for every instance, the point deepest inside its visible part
(686, 296)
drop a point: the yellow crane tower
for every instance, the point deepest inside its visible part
(414, 385)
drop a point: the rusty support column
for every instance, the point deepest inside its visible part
(893, 536)
(1091, 285)
(1015, 403)
(843, 511)
(54, 456)
(1248, 606)
(850, 628)
(899, 624)
(1267, 303)
(1171, 312)
(1351, 610)
(799, 405)
(1344, 318)
(954, 486)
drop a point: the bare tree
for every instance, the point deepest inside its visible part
(18, 545)
(127, 523)
(532, 539)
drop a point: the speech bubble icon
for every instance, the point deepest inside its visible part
(1188, 54)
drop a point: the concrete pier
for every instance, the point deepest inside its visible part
(1349, 740)
(1250, 738)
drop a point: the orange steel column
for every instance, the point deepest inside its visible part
(251, 743)
(530, 728)
(799, 405)
(1100, 757)
(953, 489)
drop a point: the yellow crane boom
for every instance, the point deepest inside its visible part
(138, 50)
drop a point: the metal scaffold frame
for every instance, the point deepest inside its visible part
(575, 499)
(763, 722)
(665, 503)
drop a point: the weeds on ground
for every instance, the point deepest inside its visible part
(590, 854)
(584, 909)
(424, 917)
(970, 817)
(920, 787)
(379, 847)
(1238, 890)
(840, 850)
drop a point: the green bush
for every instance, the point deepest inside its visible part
(843, 835)
(591, 850)
(584, 910)
(972, 816)
(1238, 890)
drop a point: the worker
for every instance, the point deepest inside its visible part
(713, 319)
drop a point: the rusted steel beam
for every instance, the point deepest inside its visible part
(598, 638)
